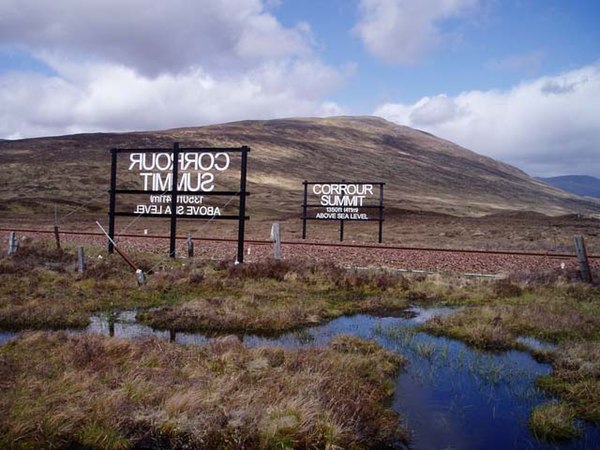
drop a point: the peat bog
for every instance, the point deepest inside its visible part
(334, 356)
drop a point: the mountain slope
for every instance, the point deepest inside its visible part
(421, 171)
(584, 185)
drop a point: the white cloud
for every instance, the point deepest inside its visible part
(102, 97)
(153, 36)
(148, 64)
(401, 31)
(542, 126)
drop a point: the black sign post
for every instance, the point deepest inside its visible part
(204, 161)
(113, 199)
(175, 178)
(343, 201)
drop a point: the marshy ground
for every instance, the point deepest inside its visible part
(62, 389)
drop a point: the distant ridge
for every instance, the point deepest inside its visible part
(422, 172)
(584, 185)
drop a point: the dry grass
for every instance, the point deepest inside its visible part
(40, 288)
(274, 296)
(59, 390)
(554, 313)
(576, 377)
(554, 421)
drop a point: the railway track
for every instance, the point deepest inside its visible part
(312, 243)
(428, 259)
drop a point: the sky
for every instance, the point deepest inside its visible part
(516, 80)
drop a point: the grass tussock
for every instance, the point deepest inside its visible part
(40, 288)
(59, 390)
(576, 378)
(274, 296)
(556, 314)
(42, 254)
(554, 421)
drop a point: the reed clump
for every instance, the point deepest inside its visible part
(61, 390)
(564, 313)
(553, 421)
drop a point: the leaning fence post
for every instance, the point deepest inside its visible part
(139, 274)
(13, 244)
(80, 260)
(584, 264)
(190, 246)
(276, 238)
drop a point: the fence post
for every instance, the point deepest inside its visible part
(584, 264)
(276, 238)
(111, 324)
(56, 235)
(190, 246)
(140, 276)
(13, 244)
(80, 260)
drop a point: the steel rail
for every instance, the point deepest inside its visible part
(317, 244)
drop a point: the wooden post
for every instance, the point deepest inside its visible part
(111, 325)
(276, 238)
(190, 246)
(584, 264)
(80, 260)
(56, 235)
(13, 244)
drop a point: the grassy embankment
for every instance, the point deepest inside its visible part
(566, 314)
(88, 391)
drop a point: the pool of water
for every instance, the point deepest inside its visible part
(450, 395)
(5, 337)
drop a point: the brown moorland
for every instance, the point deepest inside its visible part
(422, 172)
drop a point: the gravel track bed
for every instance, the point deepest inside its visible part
(410, 260)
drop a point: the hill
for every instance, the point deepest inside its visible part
(422, 172)
(584, 185)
